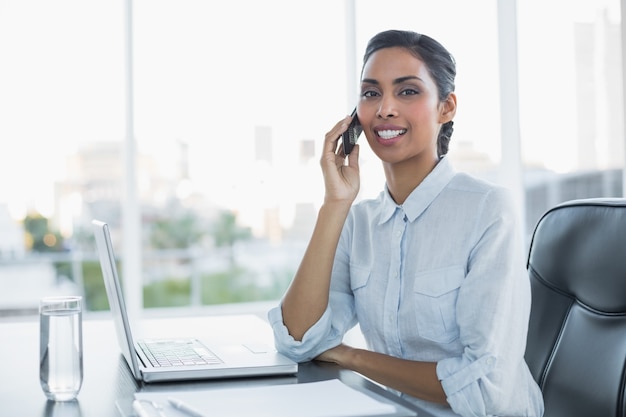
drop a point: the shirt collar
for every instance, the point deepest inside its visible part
(421, 197)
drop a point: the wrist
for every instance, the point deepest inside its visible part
(336, 206)
(348, 357)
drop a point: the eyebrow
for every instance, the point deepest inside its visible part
(396, 81)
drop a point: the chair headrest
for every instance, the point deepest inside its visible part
(579, 248)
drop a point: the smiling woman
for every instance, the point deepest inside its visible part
(407, 266)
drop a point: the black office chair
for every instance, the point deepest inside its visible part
(577, 335)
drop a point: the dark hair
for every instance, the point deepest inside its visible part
(440, 63)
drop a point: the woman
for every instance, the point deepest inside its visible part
(432, 270)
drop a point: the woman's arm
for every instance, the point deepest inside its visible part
(307, 297)
(418, 379)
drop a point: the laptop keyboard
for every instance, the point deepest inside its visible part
(165, 353)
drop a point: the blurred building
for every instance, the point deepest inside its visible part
(94, 186)
(12, 238)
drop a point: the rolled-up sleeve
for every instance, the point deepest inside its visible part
(311, 344)
(327, 333)
(460, 378)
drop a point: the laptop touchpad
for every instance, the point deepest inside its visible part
(257, 347)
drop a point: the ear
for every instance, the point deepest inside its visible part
(448, 109)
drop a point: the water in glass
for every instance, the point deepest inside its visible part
(61, 353)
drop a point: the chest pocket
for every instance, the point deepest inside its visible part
(435, 294)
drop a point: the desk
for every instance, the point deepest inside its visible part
(108, 385)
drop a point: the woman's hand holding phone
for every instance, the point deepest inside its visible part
(341, 179)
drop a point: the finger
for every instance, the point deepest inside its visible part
(335, 133)
(340, 151)
(353, 157)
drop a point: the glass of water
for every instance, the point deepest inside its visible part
(60, 347)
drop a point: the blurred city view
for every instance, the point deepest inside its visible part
(195, 252)
(227, 204)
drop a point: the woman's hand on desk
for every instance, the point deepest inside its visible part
(418, 379)
(336, 355)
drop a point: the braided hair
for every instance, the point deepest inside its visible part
(440, 63)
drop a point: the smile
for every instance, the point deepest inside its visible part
(390, 134)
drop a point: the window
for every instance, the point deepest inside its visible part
(230, 103)
(571, 104)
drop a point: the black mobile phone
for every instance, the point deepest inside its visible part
(351, 135)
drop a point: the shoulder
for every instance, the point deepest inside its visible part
(485, 203)
(471, 188)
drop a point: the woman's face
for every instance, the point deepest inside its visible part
(399, 107)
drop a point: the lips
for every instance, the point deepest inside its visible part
(388, 134)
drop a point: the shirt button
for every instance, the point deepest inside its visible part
(491, 361)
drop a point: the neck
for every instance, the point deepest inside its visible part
(402, 178)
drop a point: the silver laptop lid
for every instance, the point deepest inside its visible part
(114, 294)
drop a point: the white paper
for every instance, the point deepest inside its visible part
(330, 398)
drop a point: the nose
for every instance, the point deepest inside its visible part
(387, 108)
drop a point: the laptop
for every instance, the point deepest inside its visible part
(174, 359)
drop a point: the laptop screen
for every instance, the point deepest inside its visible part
(114, 293)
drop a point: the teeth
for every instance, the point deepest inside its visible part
(388, 134)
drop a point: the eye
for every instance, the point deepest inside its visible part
(409, 92)
(369, 93)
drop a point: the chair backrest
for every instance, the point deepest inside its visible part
(576, 346)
